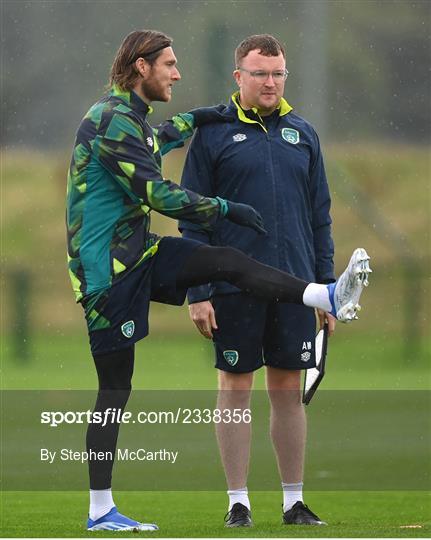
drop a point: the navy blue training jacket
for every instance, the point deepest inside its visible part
(275, 165)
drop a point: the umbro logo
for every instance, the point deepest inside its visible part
(150, 142)
(305, 356)
(239, 137)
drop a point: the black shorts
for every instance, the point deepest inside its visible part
(253, 332)
(121, 312)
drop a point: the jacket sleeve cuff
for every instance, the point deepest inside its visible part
(198, 294)
(224, 208)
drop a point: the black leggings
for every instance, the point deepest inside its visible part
(209, 263)
(115, 369)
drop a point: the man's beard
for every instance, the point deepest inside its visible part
(151, 89)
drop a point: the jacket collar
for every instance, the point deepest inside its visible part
(132, 100)
(251, 116)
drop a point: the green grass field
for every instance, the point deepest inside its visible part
(200, 514)
(63, 362)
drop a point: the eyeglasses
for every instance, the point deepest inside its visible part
(262, 76)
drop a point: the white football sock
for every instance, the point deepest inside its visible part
(317, 296)
(292, 493)
(101, 502)
(238, 496)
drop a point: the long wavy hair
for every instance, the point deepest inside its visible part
(147, 44)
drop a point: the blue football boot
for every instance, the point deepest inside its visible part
(114, 521)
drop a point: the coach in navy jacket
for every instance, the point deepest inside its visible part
(269, 157)
(276, 166)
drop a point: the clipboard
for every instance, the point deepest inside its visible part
(313, 376)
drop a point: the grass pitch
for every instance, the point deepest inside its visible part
(64, 362)
(200, 514)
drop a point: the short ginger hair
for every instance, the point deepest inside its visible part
(268, 46)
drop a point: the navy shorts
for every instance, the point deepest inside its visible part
(118, 317)
(253, 332)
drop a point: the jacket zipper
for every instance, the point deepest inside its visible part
(274, 198)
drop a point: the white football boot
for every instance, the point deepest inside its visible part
(344, 294)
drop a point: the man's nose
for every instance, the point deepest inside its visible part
(176, 75)
(270, 81)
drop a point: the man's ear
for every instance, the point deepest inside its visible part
(142, 67)
(237, 77)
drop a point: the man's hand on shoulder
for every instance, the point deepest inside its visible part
(203, 315)
(209, 115)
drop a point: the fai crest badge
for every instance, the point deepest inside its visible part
(231, 357)
(128, 329)
(290, 135)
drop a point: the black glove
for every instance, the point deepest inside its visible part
(208, 115)
(245, 215)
